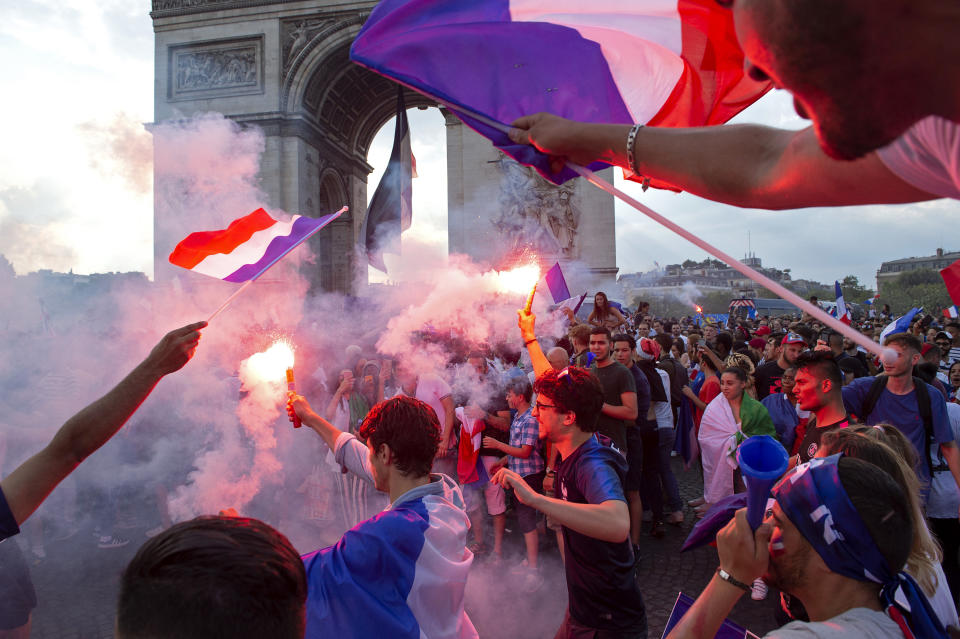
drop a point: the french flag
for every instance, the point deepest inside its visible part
(657, 62)
(842, 313)
(952, 311)
(248, 247)
(899, 325)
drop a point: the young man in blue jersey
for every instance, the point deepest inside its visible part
(589, 503)
(403, 572)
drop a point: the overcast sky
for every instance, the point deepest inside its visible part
(74, 177)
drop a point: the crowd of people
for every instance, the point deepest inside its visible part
(861, 538)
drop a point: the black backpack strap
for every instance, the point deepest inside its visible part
(870, 401)
(926, 414)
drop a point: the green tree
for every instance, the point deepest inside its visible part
(916, 288)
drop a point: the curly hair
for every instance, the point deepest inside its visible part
(574, 389)
(409, 427)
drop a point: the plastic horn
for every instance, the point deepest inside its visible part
(762, 461)
(529, 306)
(292, 386)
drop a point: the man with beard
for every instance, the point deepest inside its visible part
(767, 377)
(869, 75)
(837, 539)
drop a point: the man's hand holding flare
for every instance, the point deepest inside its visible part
(527, 322)
(298, 407)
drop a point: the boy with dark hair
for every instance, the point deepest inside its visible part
(619, 408)
(818, 387)
(589, 503)
(403, 572)
(212, 576)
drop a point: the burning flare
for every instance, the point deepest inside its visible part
(698, 309)
(519, 280)
(272, 364)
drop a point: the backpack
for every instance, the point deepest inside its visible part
(923, 404)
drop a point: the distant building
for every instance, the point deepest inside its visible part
(889, 271)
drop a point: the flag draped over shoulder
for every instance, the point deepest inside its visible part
(247, 247)
(659, 62)
(390, 210)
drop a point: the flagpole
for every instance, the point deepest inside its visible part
(246, 284)
(761, 279)
(756, 276)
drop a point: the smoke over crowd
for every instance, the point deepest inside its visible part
(215, 435)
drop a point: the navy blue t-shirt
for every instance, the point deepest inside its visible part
(603, 593)
(8, 525)
(902, 411)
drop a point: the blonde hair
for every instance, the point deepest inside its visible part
(886, 447)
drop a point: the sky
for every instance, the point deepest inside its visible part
(75, 181)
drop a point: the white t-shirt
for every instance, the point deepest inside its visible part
(662, 409)
(927, 156)
(431, 389)
(856, 622)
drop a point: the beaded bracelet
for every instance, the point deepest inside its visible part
(631, 139)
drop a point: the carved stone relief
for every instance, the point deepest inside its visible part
(296, 34)
(216, 69)
(536, 213)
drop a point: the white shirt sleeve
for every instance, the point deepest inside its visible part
(352, 455)
(927, 156)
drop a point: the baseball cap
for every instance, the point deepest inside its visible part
(763, 330)
(943, 335)
(757, 343)
(792, 338)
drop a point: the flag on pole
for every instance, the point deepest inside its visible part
(557, 284)
(951, 277)
(952, 312)
(248, 247)
(843, 314)
(664, 62)
(899, 325)
(391, 208)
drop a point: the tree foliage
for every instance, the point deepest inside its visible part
(923, 288)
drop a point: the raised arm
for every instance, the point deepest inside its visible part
(29, 484)
(746, 165)
(527, 322)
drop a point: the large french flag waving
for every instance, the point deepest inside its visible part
(657, 62)
(247, 247)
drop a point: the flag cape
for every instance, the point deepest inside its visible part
(899, 325)
(390, 210)
(842, 313)
(401, 574)
(951, 277)
(557, 284)
(246, 248)
(660, 62)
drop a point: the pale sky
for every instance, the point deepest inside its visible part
(74, 172)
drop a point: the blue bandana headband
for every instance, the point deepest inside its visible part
(816, 503)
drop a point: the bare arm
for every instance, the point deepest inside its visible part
(607, 521)
(448, 411)
(522, 452)
(527, 321)
(29, 484)
(774, 168)
(693, 398)
(499, 420)
(952, 455)
(627, 411)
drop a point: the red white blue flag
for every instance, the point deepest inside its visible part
(246, 248)
(657, 62)
(842, 313)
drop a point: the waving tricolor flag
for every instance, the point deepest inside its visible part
(842, 313)
(657, 62)
(246, 248)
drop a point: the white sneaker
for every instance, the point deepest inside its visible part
(533, 581)
(759, 590)
(112, 542)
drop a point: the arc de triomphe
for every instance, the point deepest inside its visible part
(284, 66)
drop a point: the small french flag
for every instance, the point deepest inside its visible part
(246, 248)
(952, 311)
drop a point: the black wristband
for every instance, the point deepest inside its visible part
(530, 341)
(727, 577)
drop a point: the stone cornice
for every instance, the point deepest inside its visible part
(173, 8)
